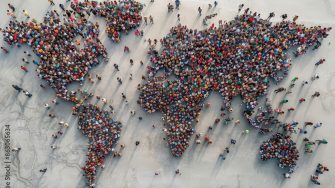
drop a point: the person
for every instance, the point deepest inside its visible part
(316, 76)
(51, 2)
(17, 88)
(26, 13)
(35, 62)
(104, 100)
(280, 89)
(287, 175)
(308, 147)
(123, 96)
(178, 17)
(116, 67)
(11, 7)
(294, 79)
(26, 93)
(54, 101)
(25, 61)
(320, 169)
(323, 141)
(43, 170)
(145, 20)
(245, 132)
(284, 16)
(119, 80)
(295, 18)
(46, 105)
(51, 115)
(283, 101)
(62, 6)
(314, 179)
(24, 68)
(317, 125)
(321, 61)
(240, 7)
(316, 94)
(290, 109)
(98, 77)
(126, 49)
(66, 125)
(215, 3)
(177, 2)
(4, 49)
(199, 11)
(304, 83)
(308, 123)
(170, 7)
(222, 156)
(151, 19)
(17, 149)
(271, 15)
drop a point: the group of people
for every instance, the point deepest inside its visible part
(53, 40)
(103, 133)
(204, 21)
(320, 169)
(234, 58)
(120, 16)
(264, 117)
(64, 60)
(281, 147)
(19, 89)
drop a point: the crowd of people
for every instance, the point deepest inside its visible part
(281, 147)
(103, 133)
(62, 62)
(320, 169)
(235, 58)
(120, 16)
(266, 118)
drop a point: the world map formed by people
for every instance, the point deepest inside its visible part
(239, 57)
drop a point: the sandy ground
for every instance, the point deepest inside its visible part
(31, 129)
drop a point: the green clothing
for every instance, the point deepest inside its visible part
(323, 141)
